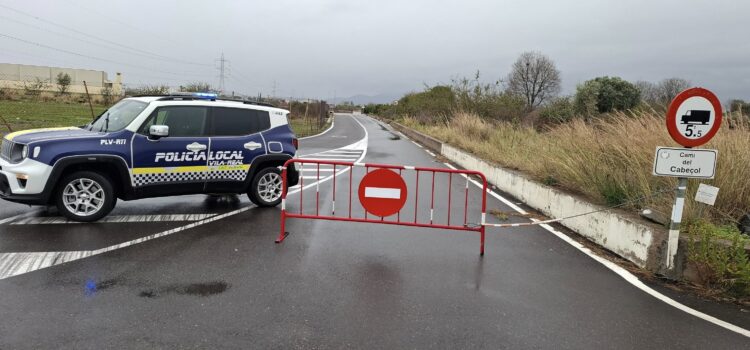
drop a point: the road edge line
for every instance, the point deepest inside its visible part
(624, 274)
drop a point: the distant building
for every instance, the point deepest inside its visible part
(16, 76)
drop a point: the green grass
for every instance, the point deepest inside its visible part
(23, 115)
(302, 127)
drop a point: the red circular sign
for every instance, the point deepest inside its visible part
(694, 116)
(382, 192)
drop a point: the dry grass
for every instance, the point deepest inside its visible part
(608, 160)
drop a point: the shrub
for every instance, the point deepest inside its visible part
(432, 104)
(196, 86)
(606, 94)
(559, 110)
(63, 82)
(35, 87)
(155, 89)
(719, 256)
(487, 100)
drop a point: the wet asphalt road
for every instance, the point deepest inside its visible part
(225, 284)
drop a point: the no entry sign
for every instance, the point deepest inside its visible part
(694, 117)
(382, 192)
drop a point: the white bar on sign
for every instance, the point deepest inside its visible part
(382, 192)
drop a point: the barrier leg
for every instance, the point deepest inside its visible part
(283, 233)
(481, 245)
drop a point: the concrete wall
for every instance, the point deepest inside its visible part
(14, 76)
(627, 236)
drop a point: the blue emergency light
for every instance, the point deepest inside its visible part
(206, 95)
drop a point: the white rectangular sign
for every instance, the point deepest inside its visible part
(706, 194)
(685, 162)
(382, 192)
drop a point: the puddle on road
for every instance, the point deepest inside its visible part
(193, 289)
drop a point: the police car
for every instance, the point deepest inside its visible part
(151, 146)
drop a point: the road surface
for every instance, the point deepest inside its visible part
(203, 272)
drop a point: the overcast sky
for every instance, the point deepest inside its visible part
(322, 48)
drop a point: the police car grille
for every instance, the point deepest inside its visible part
(6, 149)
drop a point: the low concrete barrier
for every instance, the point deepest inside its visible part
(429, 141)
(625, 235)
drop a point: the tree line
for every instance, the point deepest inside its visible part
(531, 91)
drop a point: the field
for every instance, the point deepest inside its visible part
(28, 114)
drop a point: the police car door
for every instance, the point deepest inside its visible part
(235, 142)
(177, 163)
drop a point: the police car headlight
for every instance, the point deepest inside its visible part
(24, 152)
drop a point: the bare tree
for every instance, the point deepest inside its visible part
(535, 77)
(669, 88)
(649, 91)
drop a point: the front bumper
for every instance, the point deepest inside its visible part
(28, 191)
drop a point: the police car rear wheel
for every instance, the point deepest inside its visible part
(85, 196)
(266, 188)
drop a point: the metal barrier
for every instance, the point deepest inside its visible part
(377, 195)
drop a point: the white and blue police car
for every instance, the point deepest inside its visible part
(151, 146)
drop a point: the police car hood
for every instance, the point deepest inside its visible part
(35, 135)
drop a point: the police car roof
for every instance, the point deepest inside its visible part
(219, 102)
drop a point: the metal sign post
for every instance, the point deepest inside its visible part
(674, 224)
(693, 118)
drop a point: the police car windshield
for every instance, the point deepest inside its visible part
(118, 116)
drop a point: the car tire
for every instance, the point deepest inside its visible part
(265, 189)
(85, 196)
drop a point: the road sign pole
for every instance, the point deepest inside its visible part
(674, 225)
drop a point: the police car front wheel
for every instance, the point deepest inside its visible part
(266, 187)
(85, 196)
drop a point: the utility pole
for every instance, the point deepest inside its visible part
(222, 72)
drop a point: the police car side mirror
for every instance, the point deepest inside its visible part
(158, 131)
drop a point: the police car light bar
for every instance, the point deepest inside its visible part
(205, 95)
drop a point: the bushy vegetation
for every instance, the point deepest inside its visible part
(196, 86)
(598, 159)
(63, 82)
(156, 89)
(718, 255)
(606, 94)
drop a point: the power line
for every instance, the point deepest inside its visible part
(129, 25)
(101, 39)
(111, 47)
(84, 55)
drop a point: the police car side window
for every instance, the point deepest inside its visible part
(239, 121)
(183, 121)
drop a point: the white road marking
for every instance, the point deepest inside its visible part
(321, 134)
(342, 152)
(15, 217)
(321, 155)
(115, 219)
(383, 192)
(14, 264)
(617, 269)
(429, 152)
(418, 145)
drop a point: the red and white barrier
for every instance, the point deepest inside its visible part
(383, 193)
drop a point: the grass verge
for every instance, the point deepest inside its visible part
(28, 114)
